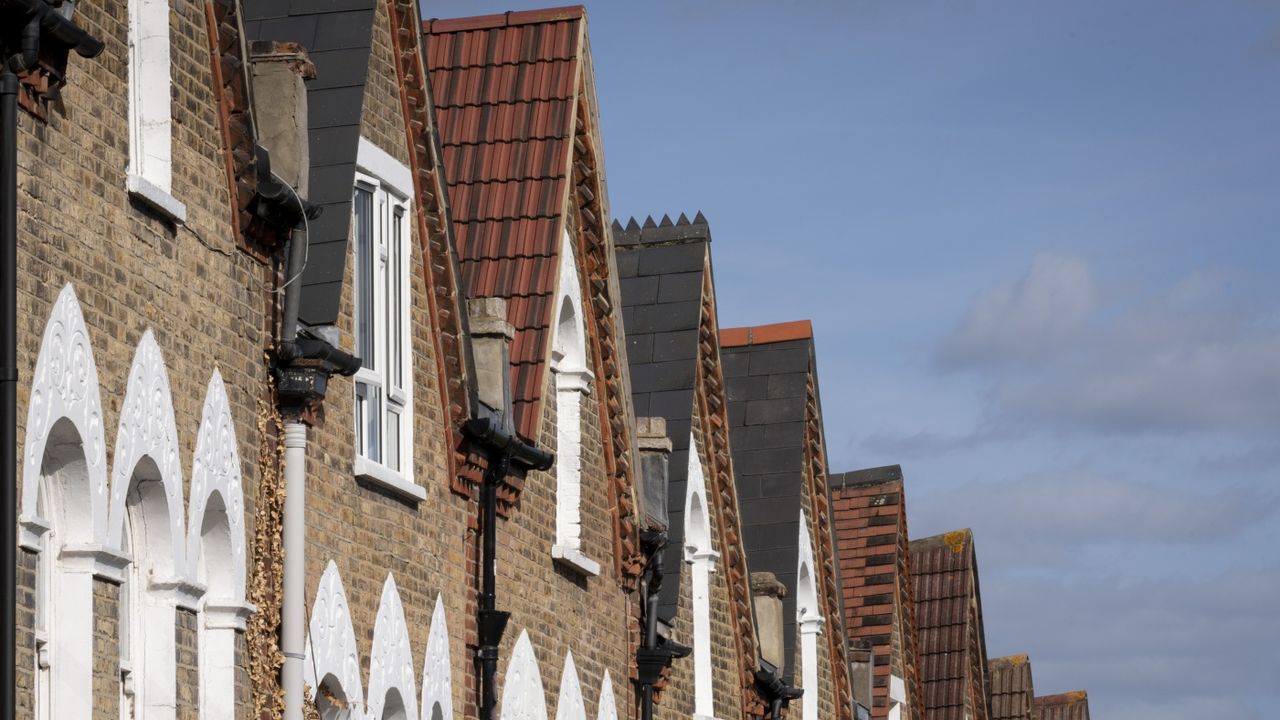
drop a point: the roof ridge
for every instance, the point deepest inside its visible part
(511, 18)
(766, 334)
(662, 232)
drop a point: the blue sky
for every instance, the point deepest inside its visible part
(1039, 244)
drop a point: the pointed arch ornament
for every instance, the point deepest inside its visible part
(331, 641)
(391, 662)
(608, 709)
(523, 697)
(437, 682)
(570, 705)
(216, 471)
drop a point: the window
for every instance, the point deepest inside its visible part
(383, 386)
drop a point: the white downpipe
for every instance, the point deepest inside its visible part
(293, 614)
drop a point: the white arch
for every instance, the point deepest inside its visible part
(809, 619)
(522, 695)
(216, 469)
(570, 706)
(437, 683)
(148, 430)
(569, 349)
(65, 385)
(608, 710)
(331, 642)
(391, 663)
(701, 556)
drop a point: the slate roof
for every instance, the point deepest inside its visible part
(1067, 706)
(505, 88)
(766, 369)
(338, 36)
(1012, 690)
(953, 657)
(870, 514)
(661, 271)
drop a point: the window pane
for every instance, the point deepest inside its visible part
(393, 437)
(363, 209)
(362, 411)
(396, 313)
(373, 426)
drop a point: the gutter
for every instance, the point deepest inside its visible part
(38, 21)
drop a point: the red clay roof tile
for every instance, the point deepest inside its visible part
(764, 334)
(1012, 690)
(949, 620)
(504, 87)
(1066, 706)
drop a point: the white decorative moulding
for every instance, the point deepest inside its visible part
(331, 646)
(569, 706)
(391, 663)
(523, 697)
(216, 470)
(148, 430)
(437, 683)
(608, 710)
(65, 386)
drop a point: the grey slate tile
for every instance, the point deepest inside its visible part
(771, 461)
(640, 290)
(663, 318)
(330, 107)
(342, 30)
(659, 376)
(672, 405)
(770, 362)
(672, 258)
(781, 410)
(734, 363)
(303, 7)
(628, 265)
(676, 287)
(639, 349)
(675, 345)
(787, 385)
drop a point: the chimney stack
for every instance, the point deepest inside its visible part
(766, 596)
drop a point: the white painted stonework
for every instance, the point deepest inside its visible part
(570, 706)
(216, 472)
(701, 556)
(148, 430)
(809, 619)
(608, 710)
(391, 662)
(150, 175)
(331, 646)
(523, 696)
(573, 380)
(65, 387)
(437, 683)
(897, 697)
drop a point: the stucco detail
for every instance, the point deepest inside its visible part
(331, 646)
(216, 469)
(65, 385)
(570, 706)
(391, 662)
(148, 430)
(522, 693)
(437, 683)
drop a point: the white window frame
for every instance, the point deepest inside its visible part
(150, 174)
(391, 185)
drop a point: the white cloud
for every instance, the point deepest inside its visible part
(1025, 320)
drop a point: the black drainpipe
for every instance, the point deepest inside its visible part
(503, 450)
(777, 691)
(650, 660)
(32, 16)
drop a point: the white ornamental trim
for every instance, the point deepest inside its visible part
(391, 664)
(522, 695)
(608, 710)
(148, 429)
(437, 682)
(216, 469)
(65, 385)
(569, 706)
(331, 643)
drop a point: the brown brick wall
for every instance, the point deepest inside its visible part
(25, 660)
(132, 270)
(187, 642)
(244, 698)
(106, 651)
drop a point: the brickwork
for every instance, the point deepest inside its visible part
(106, 651)
(243, 693)
(187, 642)
(25, 654)
(133, 270)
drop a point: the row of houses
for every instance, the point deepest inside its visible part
(342, 395)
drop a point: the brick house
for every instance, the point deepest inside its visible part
(669, 305)
(870, 514)
(1012, 690)
(779, 452)
(953, 646)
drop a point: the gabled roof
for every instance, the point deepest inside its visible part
(869, 509)
(662, 272)
(506, 89)
(953, 656)
(1012, 690)
(669, 308)
(1066, 706)
(338, 37)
